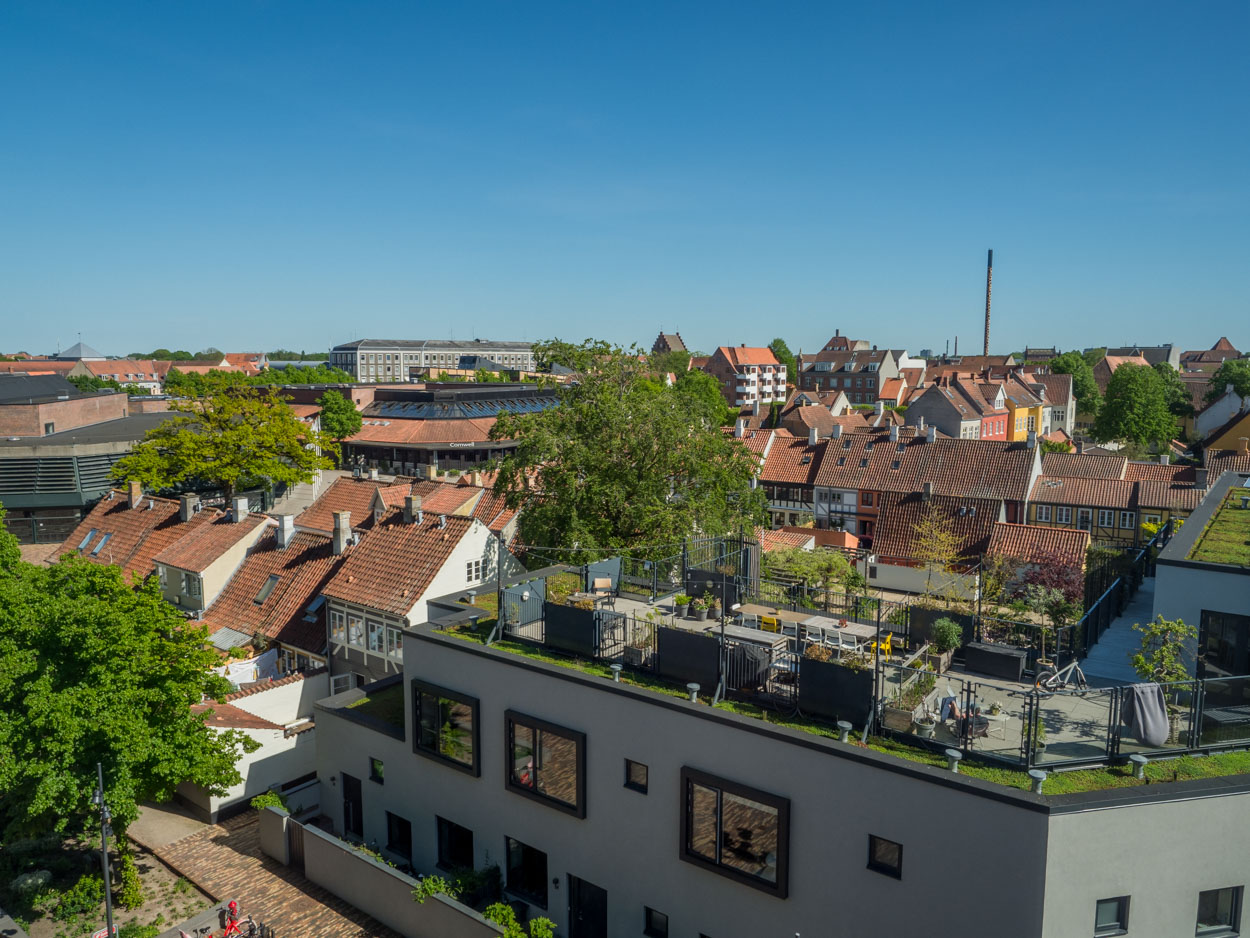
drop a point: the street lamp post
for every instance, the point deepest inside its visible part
(105, 817)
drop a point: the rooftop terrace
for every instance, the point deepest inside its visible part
(1226, 538)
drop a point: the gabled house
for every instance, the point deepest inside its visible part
(1152, 354)
(859, 373)
(962, 407)
(788, 476)
(139, 373)
(1059, 404)
(668, 342)
(1221, 351)
(197, 566)
(1229, 435)
(1025, 402)
(381, 587)
(747, 375)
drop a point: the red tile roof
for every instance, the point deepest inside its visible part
(739, 355)
(1058, 388)
(261, 686)
(1153, 471)
(197, 550)
(303, 568)
(398, 430)
(1083, 466)
(1089, 493)
(229, 716)
(783, 539)
(344, 494)
(1173, 496)
(971, 520)
(1031, 543)
(393, 566)
(790, 461)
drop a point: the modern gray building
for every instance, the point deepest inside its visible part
(385, 360)
(620, 810)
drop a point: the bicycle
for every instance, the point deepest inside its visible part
(1053, 679)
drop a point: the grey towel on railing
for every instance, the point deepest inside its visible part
(1145, 714)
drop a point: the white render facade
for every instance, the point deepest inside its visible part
(393, 360)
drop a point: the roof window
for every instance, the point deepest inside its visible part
(863, 462)
(100, 546)
(266, 588)
(87, 540)
(841, 460)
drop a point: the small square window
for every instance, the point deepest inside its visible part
(635, 776)
(1219, 911)
(654, 924)
(376, 771)
(885, 856)
(1111, 916)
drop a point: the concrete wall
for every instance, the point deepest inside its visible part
(280, 759)
(917, 580)
(478, 543)
(1160, 855)
(386, 894)
(285, 703)
(628, 842)
(273, 840)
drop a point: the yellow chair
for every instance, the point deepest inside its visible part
(885, 646)
(770, 623)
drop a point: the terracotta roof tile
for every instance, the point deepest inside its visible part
(344, 494)
(198, 549)
(1089, 493)
(398, 430)
(1173, 496)
(229, 716)
(1032, 543)
(1153, 471)
(262, 686)
(302, 569)
(972, 521)
(791, 461)
(783, 540)
(739, 355)
(391, 568)
(1083, 466)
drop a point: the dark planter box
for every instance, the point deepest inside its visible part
(571, 629)
(689, 657)
(834, 692)
(922, 624)
(1005, 661)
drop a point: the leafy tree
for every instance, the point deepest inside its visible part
(1234, 371)
(94, 669)
(676, 361)
(936, 545)
(1092, 356)
(703, 392)
(786, 357)
(1164, 643)
(339, 416)
(578, 358)
(1175, 393)
(624, 462)
(1084, 388)
(1056, 446)
(189, 384)
(89, 384)
(289, 355)
(826, 570)
(232, 437)
(1136, 408)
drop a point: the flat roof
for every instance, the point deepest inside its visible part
(362, 344)
(1183, 549)
(122, 430)
(1226, 537)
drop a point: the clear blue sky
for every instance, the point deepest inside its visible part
(262, 174)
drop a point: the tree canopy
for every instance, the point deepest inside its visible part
(231, 438)
(1179, 402)
(786, 357)
(1135, 409)
(339, 416)
(1084, 388)
(1234, 371)
(95, 670)
(89, 383)
(676, 361)
(197, 385)
(624, 463)
(209, 354)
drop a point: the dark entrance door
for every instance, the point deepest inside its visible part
(353, 806)
(588, 909)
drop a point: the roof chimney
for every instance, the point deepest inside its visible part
(813, 436)
(442, 521)
(879, 408)
(238, 507)
(755, 407)
(837, 431)
(412, 509)
(920, 424)
(930, 435)
(1243, 445)
(342, 531)
(476, 478)
(373, 474)
(1032, 439)
(286, 530)
(431, 472)
(894, 433)
(134, 493)
(1165, 459)
(188, 505)
(1080, 446)
(740, 428)
(926, 492)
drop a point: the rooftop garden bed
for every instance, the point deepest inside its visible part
(386, 705)
(1227, 535)
(1057, 783)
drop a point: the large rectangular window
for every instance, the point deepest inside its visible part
(739, 832)
(1043, 513)
(399, 835)
(446, 726)
(338, 632)
(1219, 912)
(547, 762)
(455, 845)
(527, 872)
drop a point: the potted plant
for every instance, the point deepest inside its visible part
(943, 640)
(925, 726)
(713, 605)
(681, 605)
(698, 606)
(907, 706)
(1164, 646)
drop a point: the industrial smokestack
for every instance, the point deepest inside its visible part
(989, 280)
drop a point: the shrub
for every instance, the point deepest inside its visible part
(135, 930)
(503, 916)
(946, 636)
(434, 886)
(129, 888)
(83, 898)
(268, 799)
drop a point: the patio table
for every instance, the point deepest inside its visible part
(860, 631)
(596, 598)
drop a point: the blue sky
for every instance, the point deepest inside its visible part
(262, 174)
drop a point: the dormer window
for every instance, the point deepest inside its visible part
(266, 588)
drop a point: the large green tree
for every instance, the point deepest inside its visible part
(1084, 388)
(786, 357)
(339, 416)
(676, 361)
(1234, 371)
(704, 394)
(191, 384)
(1135, 409)
(232, 438)
(1180, 403)
(624, 464)
(92, 670)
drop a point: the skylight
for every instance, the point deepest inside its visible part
(104, 540)
(266, 588)
(87, 540)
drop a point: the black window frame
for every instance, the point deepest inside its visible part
(646, 776)
(1121, 927)
(521, 893)
(880, 866)
(1222, 931)
(654, 923)
(420, 687)
(690, 776)
(443, 829)
(515, 717)
(391, 816)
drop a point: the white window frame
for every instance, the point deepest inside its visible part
(473, 571)
(355, 630)
(1151, 519)
(338, 626)
(375, 634)
(1106, 517)
(1063, 514)
(1043, 513)
(1128, 519)
(394, 643)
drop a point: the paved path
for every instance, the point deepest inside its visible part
(161, 824)
(1107, 663)
(226, 862)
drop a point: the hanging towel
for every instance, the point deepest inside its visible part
(1145, 714)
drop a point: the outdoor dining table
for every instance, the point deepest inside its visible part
(755, 610)
(860, 631)
(595, 598)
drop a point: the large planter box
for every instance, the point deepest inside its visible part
(1005, 661)
(834, 692)
(922, 620)
(689, 657)
(571, 630)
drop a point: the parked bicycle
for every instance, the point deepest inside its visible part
(1050, 680)
(235, 927)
